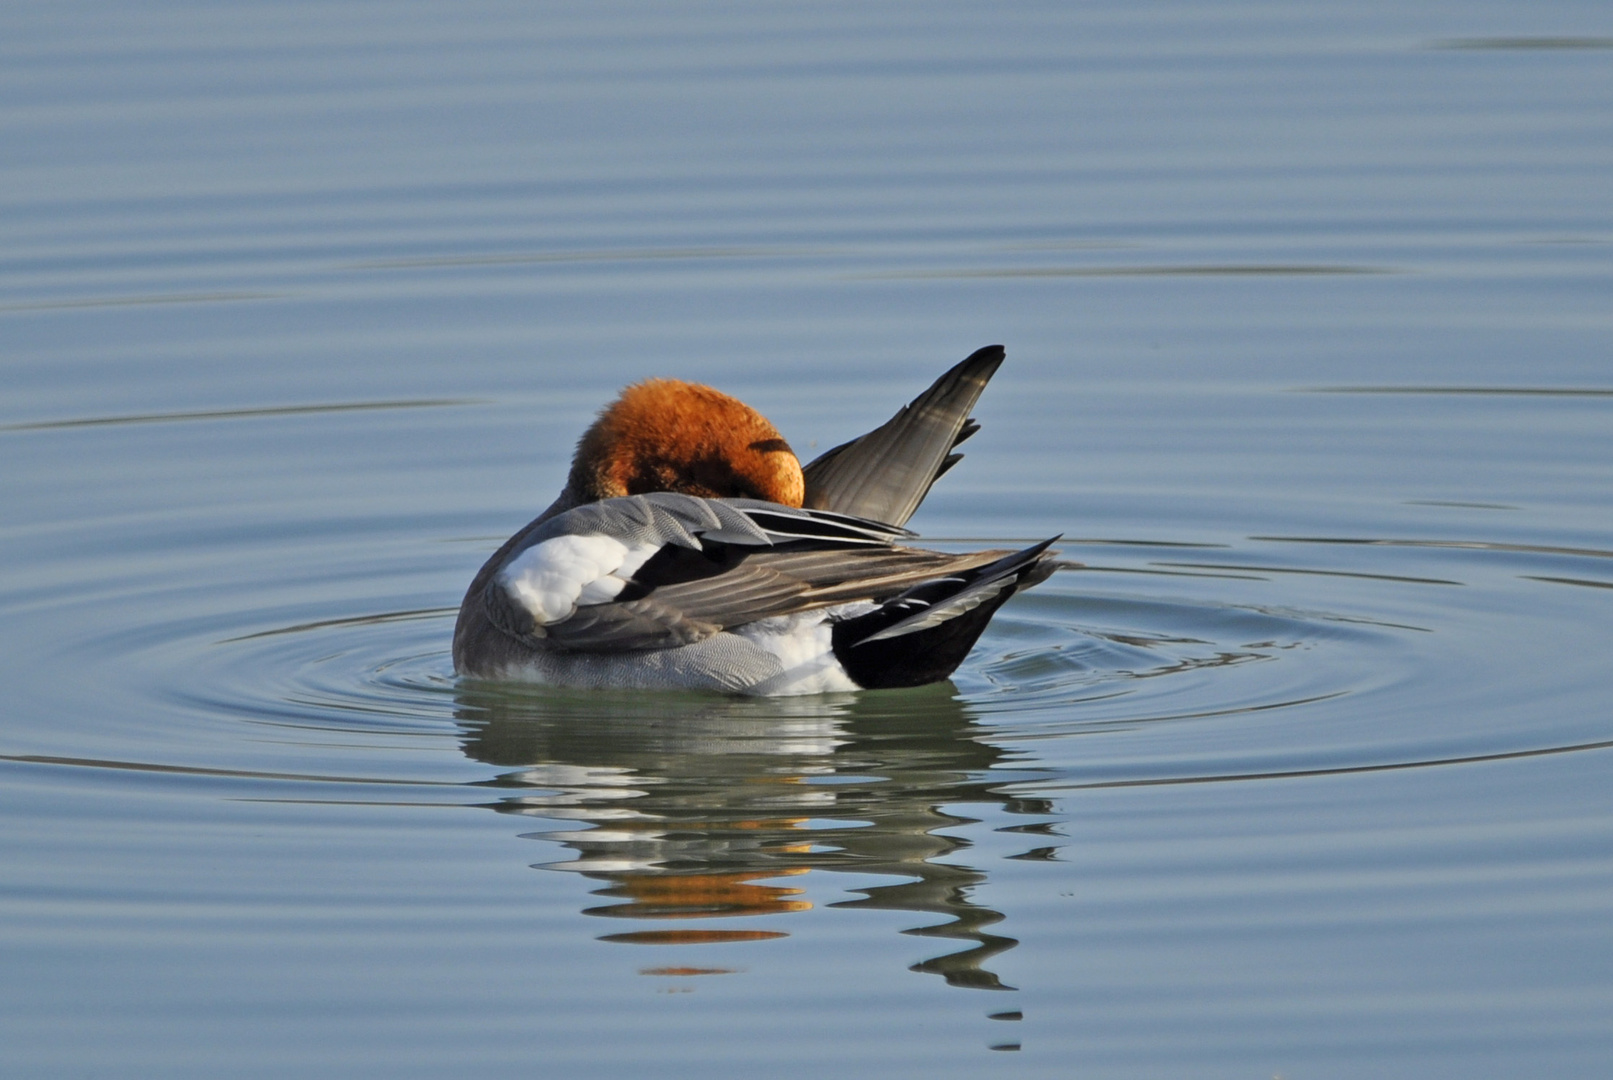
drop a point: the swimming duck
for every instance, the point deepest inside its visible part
(691, 549)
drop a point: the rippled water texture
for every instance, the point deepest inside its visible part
(1300, 768)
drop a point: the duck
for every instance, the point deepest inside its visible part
(691, 550)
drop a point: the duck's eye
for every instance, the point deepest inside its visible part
(771, 446)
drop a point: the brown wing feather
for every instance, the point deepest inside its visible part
(766, 585)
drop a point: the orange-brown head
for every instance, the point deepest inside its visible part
(667, 435)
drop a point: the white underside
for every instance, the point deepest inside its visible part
(782, 657)
(804, 650)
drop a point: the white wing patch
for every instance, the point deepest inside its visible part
(552, 579)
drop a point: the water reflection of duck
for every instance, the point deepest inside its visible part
(696, 808)
(690, 549)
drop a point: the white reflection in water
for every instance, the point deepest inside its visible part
(705, 809)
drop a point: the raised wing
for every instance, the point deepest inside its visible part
(885, 474)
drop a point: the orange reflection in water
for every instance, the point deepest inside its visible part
(691, 937)
(701, 896)
(691, 808)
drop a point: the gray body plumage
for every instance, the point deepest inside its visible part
(787, 570)
(726, 663)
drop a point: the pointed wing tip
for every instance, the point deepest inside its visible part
(1028, 556)
(1040, 563)
(886, 473)
(981, 364)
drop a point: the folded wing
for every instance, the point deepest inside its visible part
(662, 570)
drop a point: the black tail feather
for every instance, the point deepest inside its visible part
(878, 659)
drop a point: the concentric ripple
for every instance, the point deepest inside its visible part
(1256, 649)
(297, 651)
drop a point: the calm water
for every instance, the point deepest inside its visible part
(1303, 771)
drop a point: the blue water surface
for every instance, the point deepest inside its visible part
(1299, 770)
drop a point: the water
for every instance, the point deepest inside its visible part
(1301, 772)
